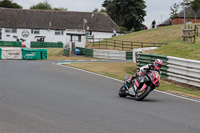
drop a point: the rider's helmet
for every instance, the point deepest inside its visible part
(157, 64)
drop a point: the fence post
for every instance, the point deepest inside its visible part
(141, 45)
(131, 45)
(99, 42)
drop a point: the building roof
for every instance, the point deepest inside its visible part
(188, 13)
(55, 20)
(166, 22)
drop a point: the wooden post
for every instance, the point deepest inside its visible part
(99, 42)
(141, 45)
(131, 45)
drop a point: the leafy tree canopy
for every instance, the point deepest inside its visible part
(9, 4)
(46, 6)
(174, 10)
(126, 13)
(42, 5)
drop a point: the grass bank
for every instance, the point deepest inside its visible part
(54, 54)
(169, 34)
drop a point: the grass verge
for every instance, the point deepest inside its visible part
(119, 70)
(54, 54)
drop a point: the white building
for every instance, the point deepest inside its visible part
(54, 26)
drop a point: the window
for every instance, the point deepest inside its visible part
(35, 31)
(40, 38)
(58, 32)
(11, 30)
(79, 38)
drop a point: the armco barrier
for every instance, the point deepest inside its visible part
(86, 52)
(109, 54)
(46, 45)
(176, 69)
(184, 71)
(129, 55)
(143, 59)
(10, 43)
(67, 51)
(106, 54)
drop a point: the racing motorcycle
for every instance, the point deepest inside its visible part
(141, 86)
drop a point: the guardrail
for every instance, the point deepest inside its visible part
(106, 54)
(176, 69)
(143, 59)
(184, 71)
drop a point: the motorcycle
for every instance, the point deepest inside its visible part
(140, 87)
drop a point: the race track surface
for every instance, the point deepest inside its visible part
(41, 97)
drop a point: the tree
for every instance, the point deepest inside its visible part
(9, 4)
(95, 10)
(60, 9)
(174, 10)
(126, 13)
(42, 5)
(195, 4)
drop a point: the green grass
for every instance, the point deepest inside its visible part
(169, 34)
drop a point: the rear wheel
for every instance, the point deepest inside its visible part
(122, 92)
(140, 96)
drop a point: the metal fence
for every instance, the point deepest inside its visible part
(177, 69)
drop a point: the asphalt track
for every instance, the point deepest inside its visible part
(41, 97)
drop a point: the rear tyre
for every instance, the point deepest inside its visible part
(146, 93)
(122, 92)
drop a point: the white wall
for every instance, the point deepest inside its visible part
(51, 37)
(103, 34)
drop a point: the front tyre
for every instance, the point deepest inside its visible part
(122, 92)
(145, 93)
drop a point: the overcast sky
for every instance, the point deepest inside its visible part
(157, 10)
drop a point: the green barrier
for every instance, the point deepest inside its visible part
(67, 51)
(144, 59)
(10, 43)
(46, 45)
(34, 54)
(86, 52)
(129, 55)
(43, 53)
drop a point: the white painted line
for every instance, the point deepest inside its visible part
(88, 72)
(198, 101)
(178, 96)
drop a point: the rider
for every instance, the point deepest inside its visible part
(156, 66)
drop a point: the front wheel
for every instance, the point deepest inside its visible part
(144, 94)
(122, 92)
